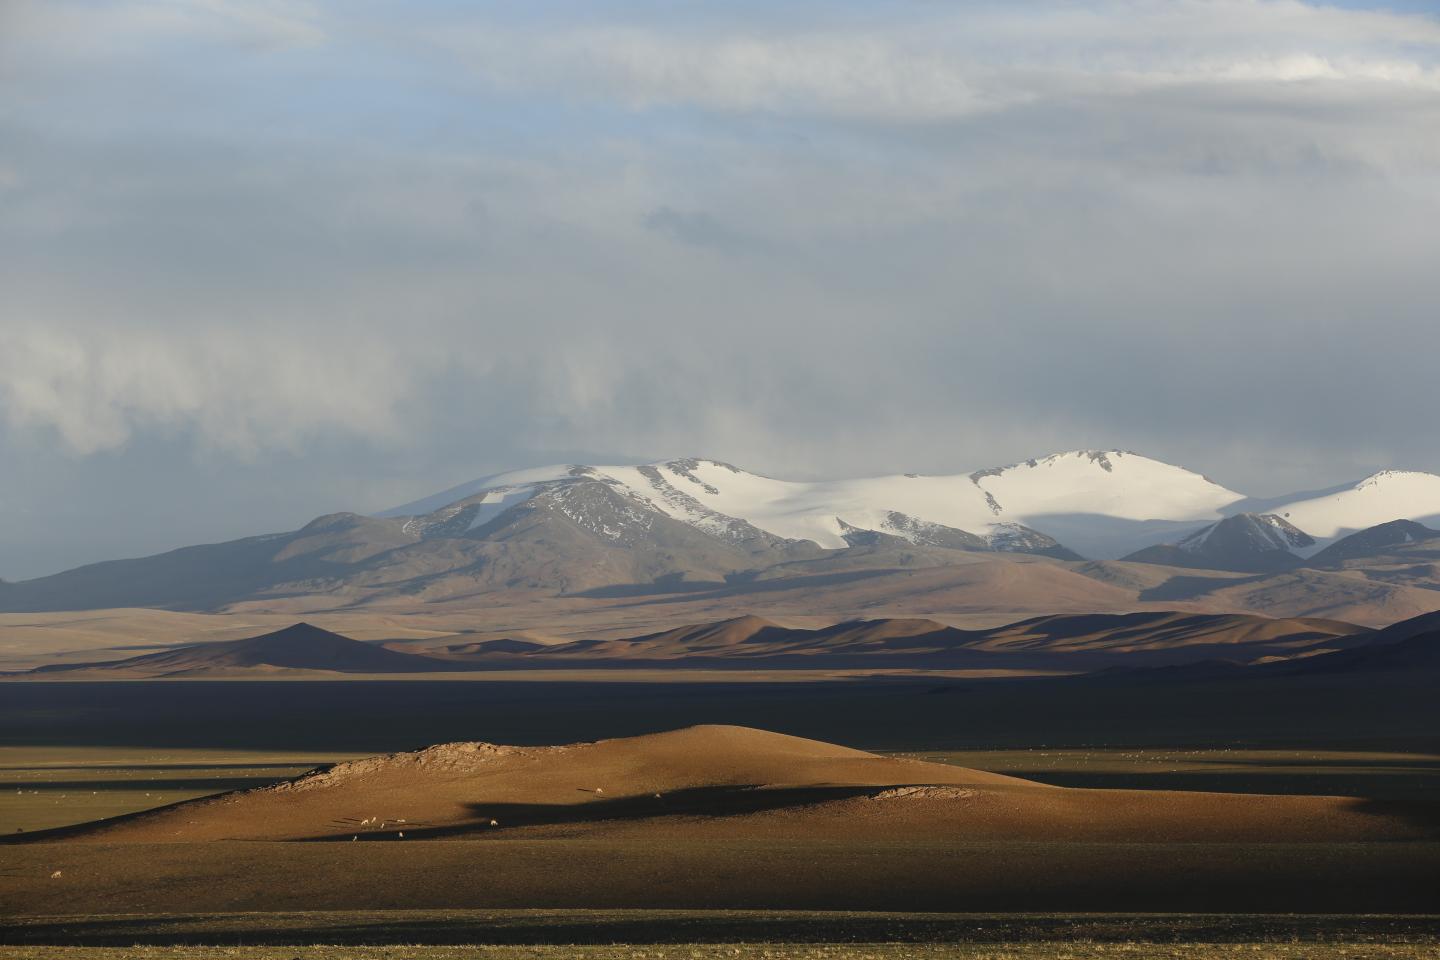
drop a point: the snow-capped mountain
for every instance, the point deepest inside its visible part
(701, 525)
(1096, 503)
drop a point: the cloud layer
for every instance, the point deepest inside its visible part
(235, 238)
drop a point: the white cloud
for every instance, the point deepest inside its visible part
(947, 63)
(237, 390)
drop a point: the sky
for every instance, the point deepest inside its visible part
(261, 261)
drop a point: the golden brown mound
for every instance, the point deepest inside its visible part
(719, 782)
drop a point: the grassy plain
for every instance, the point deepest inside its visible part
(769, 951)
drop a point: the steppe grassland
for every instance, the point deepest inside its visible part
(770, 951)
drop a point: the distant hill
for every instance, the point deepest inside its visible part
(1376, 541)
(1411, 646)
(1246, 543)
(301, 647)
(1065, 642)
(1408, 650)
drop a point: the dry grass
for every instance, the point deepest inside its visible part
(770, 951)
(1223, 760)
(43, 787)
(705, 935)
(1375, 774)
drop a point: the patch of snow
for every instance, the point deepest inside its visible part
(497, 501)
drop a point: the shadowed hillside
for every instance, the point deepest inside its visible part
(301, 647)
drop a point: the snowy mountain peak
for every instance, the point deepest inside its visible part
(1383, 477)
(1117, 484)
(1104, 460)
(1099, 458)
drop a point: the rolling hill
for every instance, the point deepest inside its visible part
(1073, 643)
(719, 782)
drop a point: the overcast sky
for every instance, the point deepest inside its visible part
(261, 261)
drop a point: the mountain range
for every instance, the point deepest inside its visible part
(1118, 527)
